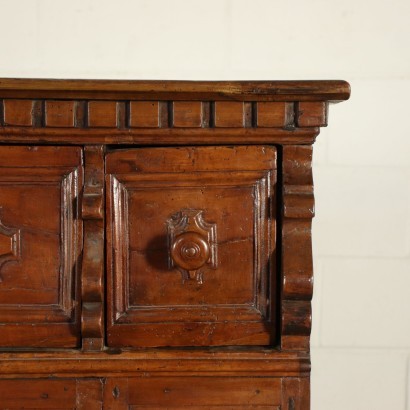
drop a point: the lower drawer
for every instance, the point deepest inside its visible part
(79, 394)
(155, 393)
(195, 393)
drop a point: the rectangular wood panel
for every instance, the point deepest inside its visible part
(187, 114)
(51, 394)
(237, 393)
(38, 394)
(18, 112)
(274, 114)
(102, 114)
(226, 196)
(60, 113)
(144, 114)
(312, 114)
(40, 242)
(205, 391)
(229, 114)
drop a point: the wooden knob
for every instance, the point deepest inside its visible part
(190, 251)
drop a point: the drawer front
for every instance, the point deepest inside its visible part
(78, 394)
(191, 246)
(40, 242)
(155, 393)
(197, 393)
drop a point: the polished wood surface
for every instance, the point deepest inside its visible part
(297, 265)
(232, 299)
(327, 90)
(205, 393)
(79, 394)
(155, 243)
(39, 280)
(92, 213)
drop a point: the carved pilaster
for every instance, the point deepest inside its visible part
(297, 265)
(92, 316)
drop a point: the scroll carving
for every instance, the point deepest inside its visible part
(297, 265)
(9, 245)
(191, 244)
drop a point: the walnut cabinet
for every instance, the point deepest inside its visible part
(155, 243)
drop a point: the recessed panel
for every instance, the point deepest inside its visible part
(231, 282)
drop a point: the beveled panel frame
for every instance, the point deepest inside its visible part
(43, 324)
(68, 180)
(118, 188)
(238, 323)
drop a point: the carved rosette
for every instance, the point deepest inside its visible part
(9, 245)
(191, 244)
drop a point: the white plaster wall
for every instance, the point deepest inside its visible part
(361, 332)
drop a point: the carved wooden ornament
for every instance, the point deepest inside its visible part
(191, 244)
(9, 245)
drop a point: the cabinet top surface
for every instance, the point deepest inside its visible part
(326, 90)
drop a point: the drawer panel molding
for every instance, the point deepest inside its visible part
(40, 246)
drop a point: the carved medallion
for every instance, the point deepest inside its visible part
(191, 244)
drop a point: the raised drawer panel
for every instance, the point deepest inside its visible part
(40, 242)
(60, 113)
(167, 209)
(102, 114)
(145, 114)
(274, 114)
(187, 114)
(229, 114)
(18, 112)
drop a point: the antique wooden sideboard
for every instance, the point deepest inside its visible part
(155, 243)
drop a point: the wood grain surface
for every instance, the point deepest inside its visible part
(234, 188)
(155, 243)
(325, 90)
(39, 288)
